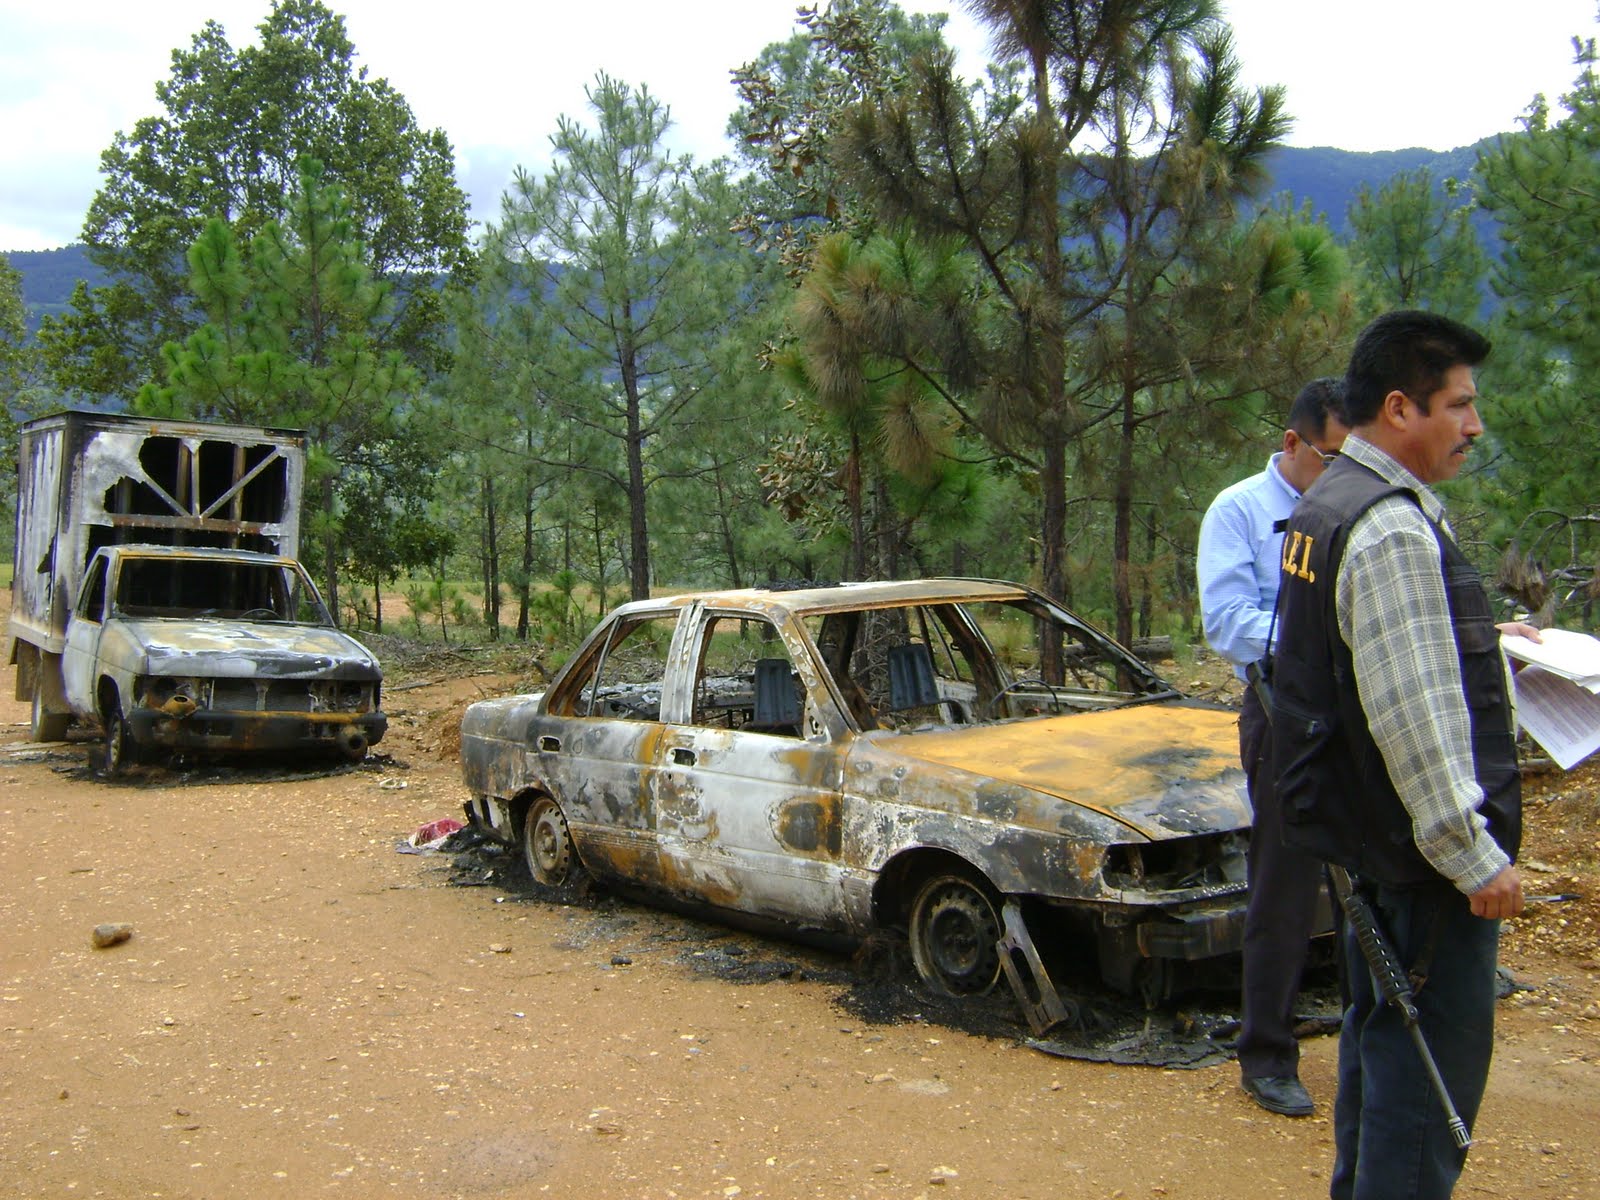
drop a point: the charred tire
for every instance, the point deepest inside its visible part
(352, 744)
(955, 923)
(47, 726)
(547, 846)
(119, 745)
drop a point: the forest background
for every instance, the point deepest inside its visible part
(1024, 326)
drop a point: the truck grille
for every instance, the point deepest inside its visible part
(279, 695)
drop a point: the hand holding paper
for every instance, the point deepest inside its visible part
(1558, 693)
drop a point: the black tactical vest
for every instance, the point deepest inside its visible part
(1338, 802)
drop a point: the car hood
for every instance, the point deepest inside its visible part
(1165, 770)
(226, 648)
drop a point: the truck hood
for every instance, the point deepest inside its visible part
(221, 648)
(1164, 770)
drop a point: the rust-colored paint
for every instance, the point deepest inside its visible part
(809, 769)
(700, 881)
(1086, 859)
(811, 823)
(632, 858)
(1098, 760)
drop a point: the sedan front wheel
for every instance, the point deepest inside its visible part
(955, 925)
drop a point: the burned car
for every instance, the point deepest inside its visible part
(842, 759)
(203, 649)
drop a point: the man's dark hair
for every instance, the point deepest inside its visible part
(1317, 401)
(1409, 351)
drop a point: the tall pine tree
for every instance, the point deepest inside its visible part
(293, 338)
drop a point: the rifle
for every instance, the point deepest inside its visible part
(1396, 988)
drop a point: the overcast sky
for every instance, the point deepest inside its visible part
(1373, 75)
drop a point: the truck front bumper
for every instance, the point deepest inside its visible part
(203, 729)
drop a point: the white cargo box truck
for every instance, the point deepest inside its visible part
(156, 594)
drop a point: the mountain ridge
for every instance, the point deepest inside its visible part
(1328, 177)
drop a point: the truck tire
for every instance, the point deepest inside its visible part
(119, 747)
(47, 726)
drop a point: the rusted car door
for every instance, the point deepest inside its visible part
(598, 751)
(750, 818)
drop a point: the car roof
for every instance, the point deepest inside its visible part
(805, 599)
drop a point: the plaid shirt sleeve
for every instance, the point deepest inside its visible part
(1394, 616)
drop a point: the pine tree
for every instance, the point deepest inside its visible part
(1543, 187)
(233, 127)
(1093, 184)
(293, 339)
(623, 251)
(1414, 246)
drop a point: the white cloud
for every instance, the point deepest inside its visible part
(1390, 74)
(1361, 74)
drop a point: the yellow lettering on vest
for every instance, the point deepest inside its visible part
(1297, 557)
(1289, 548)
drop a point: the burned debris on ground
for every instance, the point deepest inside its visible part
(878, 985)
(186, 771)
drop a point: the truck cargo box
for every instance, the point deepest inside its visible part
(86, 480)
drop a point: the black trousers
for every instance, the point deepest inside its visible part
(1389, 1130)
(1284, 886)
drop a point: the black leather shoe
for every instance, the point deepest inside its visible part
(1282, 1094)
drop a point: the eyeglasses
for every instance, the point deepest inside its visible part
(1327, 456)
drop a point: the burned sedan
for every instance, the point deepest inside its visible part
(961, 759)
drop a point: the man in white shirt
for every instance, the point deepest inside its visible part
(1240, 563)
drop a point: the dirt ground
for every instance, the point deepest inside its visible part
(302, 1010)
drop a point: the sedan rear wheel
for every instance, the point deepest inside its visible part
(547, 845)
(955, 925)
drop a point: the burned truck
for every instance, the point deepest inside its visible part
(156, 596)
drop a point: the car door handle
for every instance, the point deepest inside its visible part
(548, 744)
(682, 756)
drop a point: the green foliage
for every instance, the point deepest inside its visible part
(618, 290)
(558, 607)
(1414, 246)
(16, 366)
(791, 98)
(1034, 326)
(1095, 186)
(1543, 186)
(19, 371)
(293, 339)
(422, 600)
(235, 125)
(885, 332)
(389, 528)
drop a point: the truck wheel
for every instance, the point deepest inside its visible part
(47, 726)
(955, 924)
(119, 749)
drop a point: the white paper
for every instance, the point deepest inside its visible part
(1560, 715)
(1564, 651)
